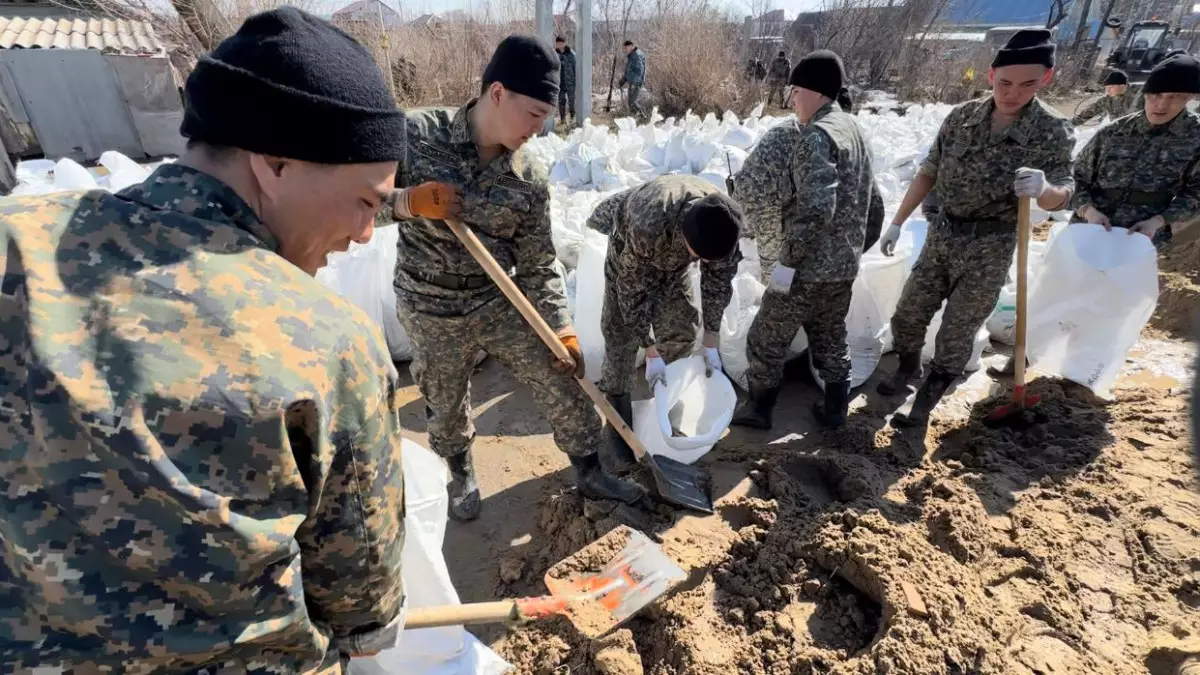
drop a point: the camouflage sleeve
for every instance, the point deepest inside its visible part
(534, 250)
(816, 181)
(1089, 111)
(716, 289)
(604, 217)
(637, 277)
(352, 540)
(875, 216)
(929, 166)
(758, 184)
(1058, 159)
(1085, 169)
(1186, 205)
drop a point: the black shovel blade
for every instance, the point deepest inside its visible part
(681, 484)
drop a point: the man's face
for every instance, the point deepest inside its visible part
(558, 45)
(628, 48)
(517, 117)
(315, 209)
(1013, 87)
(1162, 108)
(1115, 89)
(806, 102)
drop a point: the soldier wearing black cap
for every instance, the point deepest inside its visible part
(208, 443)
(1140, 172)
(808, 191)
(657, 231)
(980, 147)
(468, 163)
(1117, 100)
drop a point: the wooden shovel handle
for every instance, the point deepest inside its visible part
(501, 611)
(1023, 228)
(547, 334)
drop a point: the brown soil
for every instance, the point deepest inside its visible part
(1070, 546)
(1179, 291)
(1041, 231)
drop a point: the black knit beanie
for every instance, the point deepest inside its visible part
(1030, 47)
(1176, 75)
(712, 226)
(292, 85)
(525, 65)
(1116, 77)
(820, 71)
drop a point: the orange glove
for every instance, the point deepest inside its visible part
(435, 201)
(570, 340)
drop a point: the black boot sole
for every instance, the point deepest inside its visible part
(751, 423)
(902, 421)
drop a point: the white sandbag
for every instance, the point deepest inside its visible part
(589, 301)
(1095, 293)
(698, 406)
(449, 650)
(123, 171)
(735, 325)
(1002, 324)
(364, 275)
(69, 175)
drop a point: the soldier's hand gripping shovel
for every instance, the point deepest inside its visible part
(674, 481)
(1014, 413)
(594, 602)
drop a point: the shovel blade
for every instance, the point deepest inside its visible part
(636, 576)
(681, 484)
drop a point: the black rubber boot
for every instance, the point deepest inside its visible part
(908, 370)
(464, 491)
(621, 453)
(833, 410)
(1008, 370)
(755, 411)
(595, 483)
(927, 398)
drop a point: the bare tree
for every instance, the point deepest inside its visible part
(1058, 12)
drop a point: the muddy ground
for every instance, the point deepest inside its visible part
(1071, 546)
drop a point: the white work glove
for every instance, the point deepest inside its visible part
(656, 371)
(1092, 215)
(1030, 183)
(887, 243)
(1148, 227)
(712, 361)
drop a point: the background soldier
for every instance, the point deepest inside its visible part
(822, 204)
(781, 69)
(206, 442)
(566, 88)
(981, 145)
(448, 305)
(657, 231)
(1116, 102)
(635, 75)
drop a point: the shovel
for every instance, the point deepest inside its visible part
(595, 603)
(1014, 412)
(674, 481)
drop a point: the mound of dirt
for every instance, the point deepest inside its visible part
(1178, 307)
(1071, 546)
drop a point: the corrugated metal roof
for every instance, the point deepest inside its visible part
(118, 36)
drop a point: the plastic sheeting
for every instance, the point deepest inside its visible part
(697, 406)
(1095, 293)
(450, 650)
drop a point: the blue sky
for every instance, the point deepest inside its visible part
(418, 7)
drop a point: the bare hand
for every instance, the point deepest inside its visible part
(1092, 215)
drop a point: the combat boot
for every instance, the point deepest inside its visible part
(464, 491)
(619, 450)
(931, 392)
(755, 412)
(594, 483)
(908, 370)
(833, 410)
(1008, 370)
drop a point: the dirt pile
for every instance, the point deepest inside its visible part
(1178, 307)
(1071, 546)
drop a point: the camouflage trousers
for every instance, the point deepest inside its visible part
(444, 351)
(674, 322)
(965, 270)
(820, 308)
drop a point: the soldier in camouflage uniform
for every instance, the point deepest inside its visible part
(809, 184)
(1117, 100)
(448, 305)
(982, 144)
(566, 88)
(657, 230)
(634, 77)
(201, 459)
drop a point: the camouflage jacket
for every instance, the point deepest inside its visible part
(811, 186)
(506, 203)
(646, 249)
(1131, 171)
(1107, 106)
(635, 67)
(973, 172)
(781, 69)
(566, 73)
(202, 457)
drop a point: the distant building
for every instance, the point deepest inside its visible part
(368, 11)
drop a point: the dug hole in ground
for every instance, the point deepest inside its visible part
(1072, 546)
